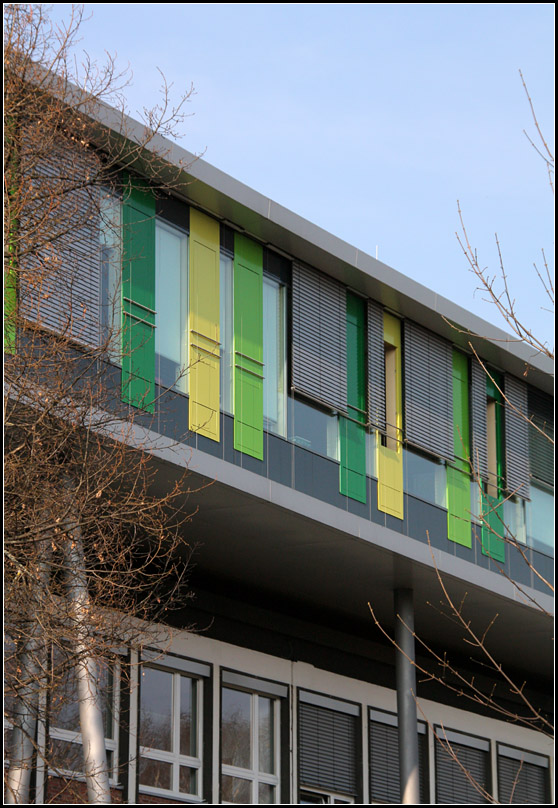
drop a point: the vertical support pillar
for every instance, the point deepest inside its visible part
(406, 693)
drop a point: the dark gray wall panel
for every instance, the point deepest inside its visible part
(319, 352)
(516, 436)
(428, 390)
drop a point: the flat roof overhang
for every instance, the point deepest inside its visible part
(203, 185)
(253, 532)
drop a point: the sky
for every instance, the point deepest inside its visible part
(370, 120)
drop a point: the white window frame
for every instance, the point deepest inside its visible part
(253, 774)
(174, 757)
(111, 744)
(328, 797)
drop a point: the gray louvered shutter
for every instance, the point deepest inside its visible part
(327, 742)
(452, 784)
(516, 436)
(522, 782)
(319, 352)
(60, 281)
(478, 419)
(383, 749)
(376, 367)
(541, 450)
(428, 390)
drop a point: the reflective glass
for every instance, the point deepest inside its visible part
(156, 709)
(540, 520)
(171, 295)
(265, 735)
(226, 332)
(187, 716)
(236, 790)
(110, 251)
(514, 519)
(424, 477)
(274, 356)
(155, 773)
(188, 780)
(314, 428)
(235, 728)
(266, 794)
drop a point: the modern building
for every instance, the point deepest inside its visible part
(359, 456)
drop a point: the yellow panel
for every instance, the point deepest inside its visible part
(389, 459)
(204, 345)
(390, 481)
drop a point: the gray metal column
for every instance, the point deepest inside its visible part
(406, 692)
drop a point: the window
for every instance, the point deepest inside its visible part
(523, 777)
(329, 748)
(171, 303)
(170, 733)
(66, 754)
(424, 477)
(110, 255)
(323, 798)
(390, 362)
(226, 331)
(250, 745)
(383, 750)
(540, 519)
(314, 428)
(274, 356)
(468, 780)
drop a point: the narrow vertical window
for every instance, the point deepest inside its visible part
(493, 530)
(390, 448)
(274, 349)
(170, 733)
(227, 332)
(171, 294)
(392, 432)
(110, 234)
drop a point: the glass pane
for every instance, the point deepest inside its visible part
(235, 728)
(371, 454)
(171, 294)
(265, 735)
(187, 716)
(266, 794)
(226, 333)
(65, 755)
(188, 780)
(540, 520)
(313, 428)
(155, 773)
(235, 789)
(110, 241)
(156, 709)
(64, 707)
(274, 356)
(424, 478)
(514, 519)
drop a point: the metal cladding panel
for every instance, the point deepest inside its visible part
(59, 283)
(428, 391)
(478, 419)
(453, 785)
(522, 782)
(376, 367)
(328, 749)
(383, 749)
(516, 438)
(319, 360)
(541, 450)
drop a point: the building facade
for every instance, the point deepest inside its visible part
(348, 453)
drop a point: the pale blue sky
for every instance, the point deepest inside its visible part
(370, 120)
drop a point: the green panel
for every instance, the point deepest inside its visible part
(461, 435)
(138, 299)
(352, 469)
(459, 506)
(10, 306)
(248, 347)
(352, 436)
(492, 544)
(10, 267)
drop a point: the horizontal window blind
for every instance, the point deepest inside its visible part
(541, 450)
(478, 419)
(516, 431)
(328, 749)
(319, 362)
(522, 781)
(428, 390)
(376, 367)
(384, 763)
(455, 782)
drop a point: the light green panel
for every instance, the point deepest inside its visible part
(352, 436)
(492, 534)
(459, 506)
(352, 469)
(248, 347)
(138, 298)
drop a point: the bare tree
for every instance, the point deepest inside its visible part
(91, 549)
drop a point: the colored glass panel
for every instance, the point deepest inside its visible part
(204, 345)
(248, 347)
(458, 475)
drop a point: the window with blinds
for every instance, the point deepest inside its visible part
(383, 751)
(462, 768)
(523, 777)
